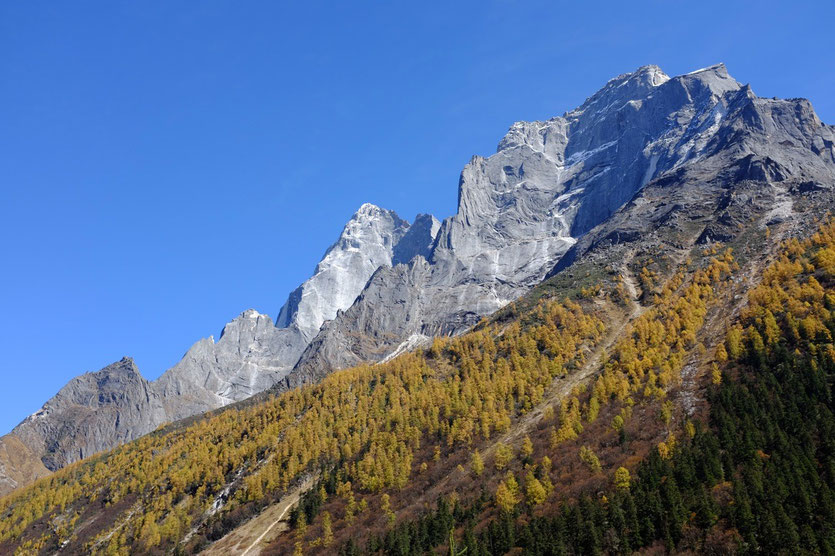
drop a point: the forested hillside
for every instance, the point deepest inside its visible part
(616, 420)
(755, 477)
(368, 423)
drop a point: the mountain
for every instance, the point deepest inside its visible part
(367, 243)
(640, 294)
(250, 356)
(685, 408)
(97, 411)
(647, 163)
(91, 412)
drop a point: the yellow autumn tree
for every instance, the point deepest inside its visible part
(507, 493)
(535, 492)
(504, 454)
(622, 479)
(476, 464)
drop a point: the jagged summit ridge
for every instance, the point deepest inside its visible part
(93, 412)
(636, 84)
(551, 181)
(366, 243)
(250, 355)
(619, 139)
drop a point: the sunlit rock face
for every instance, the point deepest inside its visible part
(250, 356)
(367, 242)
(93, 412)
(552, 181)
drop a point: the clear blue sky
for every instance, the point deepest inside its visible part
(166, 165)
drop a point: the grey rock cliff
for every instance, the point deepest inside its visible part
(250, 356)
(390, 309)
(419, 240)
(93, 412)
(769, 161)
(367, 242)
(552, 181)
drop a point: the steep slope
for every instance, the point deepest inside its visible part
(765, 158)
(747, 469)
(250, 356)
(375, 429)
(18, 465)
(387, 452)
(201, 458)
(92, 413)
(419, 240)
(389, 309)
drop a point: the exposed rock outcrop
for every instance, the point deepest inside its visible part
(419, 240)
(250, 356)
(93, 412)
(367, 243)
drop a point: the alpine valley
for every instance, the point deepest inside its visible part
(621, 341)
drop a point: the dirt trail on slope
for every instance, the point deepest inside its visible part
(726, 310)
(562, 387)
(253, 536)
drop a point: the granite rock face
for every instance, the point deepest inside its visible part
(249, 357)
(93, 412)
(648, 158)
(390, 310)
(367, 243)
(552, 181)
(730, 139)
(419, 240)
(762, 159)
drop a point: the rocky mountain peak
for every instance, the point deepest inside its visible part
(126, 365)
(93, 412)
(371, 226)
(719, 70)
(714, 80)
(628, 86)
(366, 243)
(249, 320)
(111, 379)
(419, 240)
(369, 211)
(251, 314)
